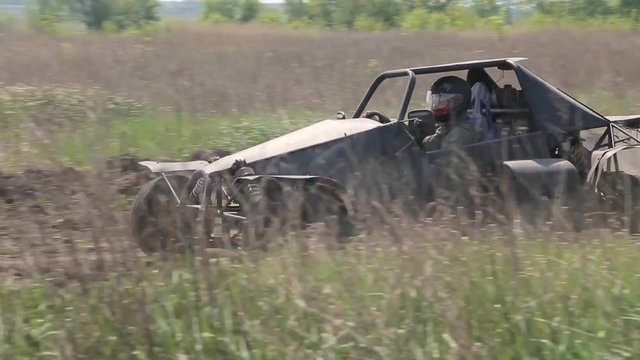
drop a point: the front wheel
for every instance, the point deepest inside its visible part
(154, 214)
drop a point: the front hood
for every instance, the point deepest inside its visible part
(318, 133)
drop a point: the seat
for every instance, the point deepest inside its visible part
(480, 111)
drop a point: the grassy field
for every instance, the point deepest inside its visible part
(430, 298)
(76, 287)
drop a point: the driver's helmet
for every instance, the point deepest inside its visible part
(449, 95)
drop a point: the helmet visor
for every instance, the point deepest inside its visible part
(441, 104)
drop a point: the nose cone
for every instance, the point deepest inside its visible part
(312, 135)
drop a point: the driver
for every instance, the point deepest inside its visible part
(449, 98)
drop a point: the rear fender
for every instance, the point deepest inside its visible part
(548, 178)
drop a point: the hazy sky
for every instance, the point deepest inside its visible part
(264, 1)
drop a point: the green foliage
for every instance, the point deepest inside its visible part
(387, 12)
(417, 19)
(321, 12)
(541, 20)
(301, 23)
(368, 23)
(432, 298)
(632, 9)
(114, 16)
(296, 10)
(94, 13)
(270, 17)
(497, 22)
(486, 8)
(455, 17)
(444, 14)
(346, 12)
(135, 14)
(465, 18)
(45, 15)
(249, 10)
(109, 15)
(436, 5)
(220, 10)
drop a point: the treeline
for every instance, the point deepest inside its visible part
(121, 15)
(424, 14)
(111, 15)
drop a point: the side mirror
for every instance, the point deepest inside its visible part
(341, 115)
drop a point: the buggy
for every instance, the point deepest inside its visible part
(548, 148)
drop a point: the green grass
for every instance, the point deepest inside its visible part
(174, 136)
(80, 129)
(435, 299)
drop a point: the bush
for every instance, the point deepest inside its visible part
(542, 20)
(214, 18)
(498, 23)
(368, 23)
(463, 18)
(422, 19)
(416, 19)
(121, 15)
(44, 16)
(302, 23)
(270, 17)
(217, 11)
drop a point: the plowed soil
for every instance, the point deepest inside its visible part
(66, 224)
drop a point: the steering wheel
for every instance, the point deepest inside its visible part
(377, 116)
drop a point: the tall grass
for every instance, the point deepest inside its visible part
(433, 297)
(258, 69)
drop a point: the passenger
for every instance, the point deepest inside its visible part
(449, 98)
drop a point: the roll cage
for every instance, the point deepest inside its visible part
(551, 110)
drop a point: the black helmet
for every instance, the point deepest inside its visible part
(449, 95)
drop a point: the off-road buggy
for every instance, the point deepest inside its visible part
(549, 148)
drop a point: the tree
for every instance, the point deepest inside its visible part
(227, 9)
(296, 9)
(346, 12)
(249, 10)
(44, 15)
(386, 11)
(321, 12)
(486, 8)
(632, 9)
(436, 5)
(123, 14)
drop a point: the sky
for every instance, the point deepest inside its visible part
(262, 1)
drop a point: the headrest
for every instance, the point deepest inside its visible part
(507, 97)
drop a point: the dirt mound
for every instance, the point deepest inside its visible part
(32, 184)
